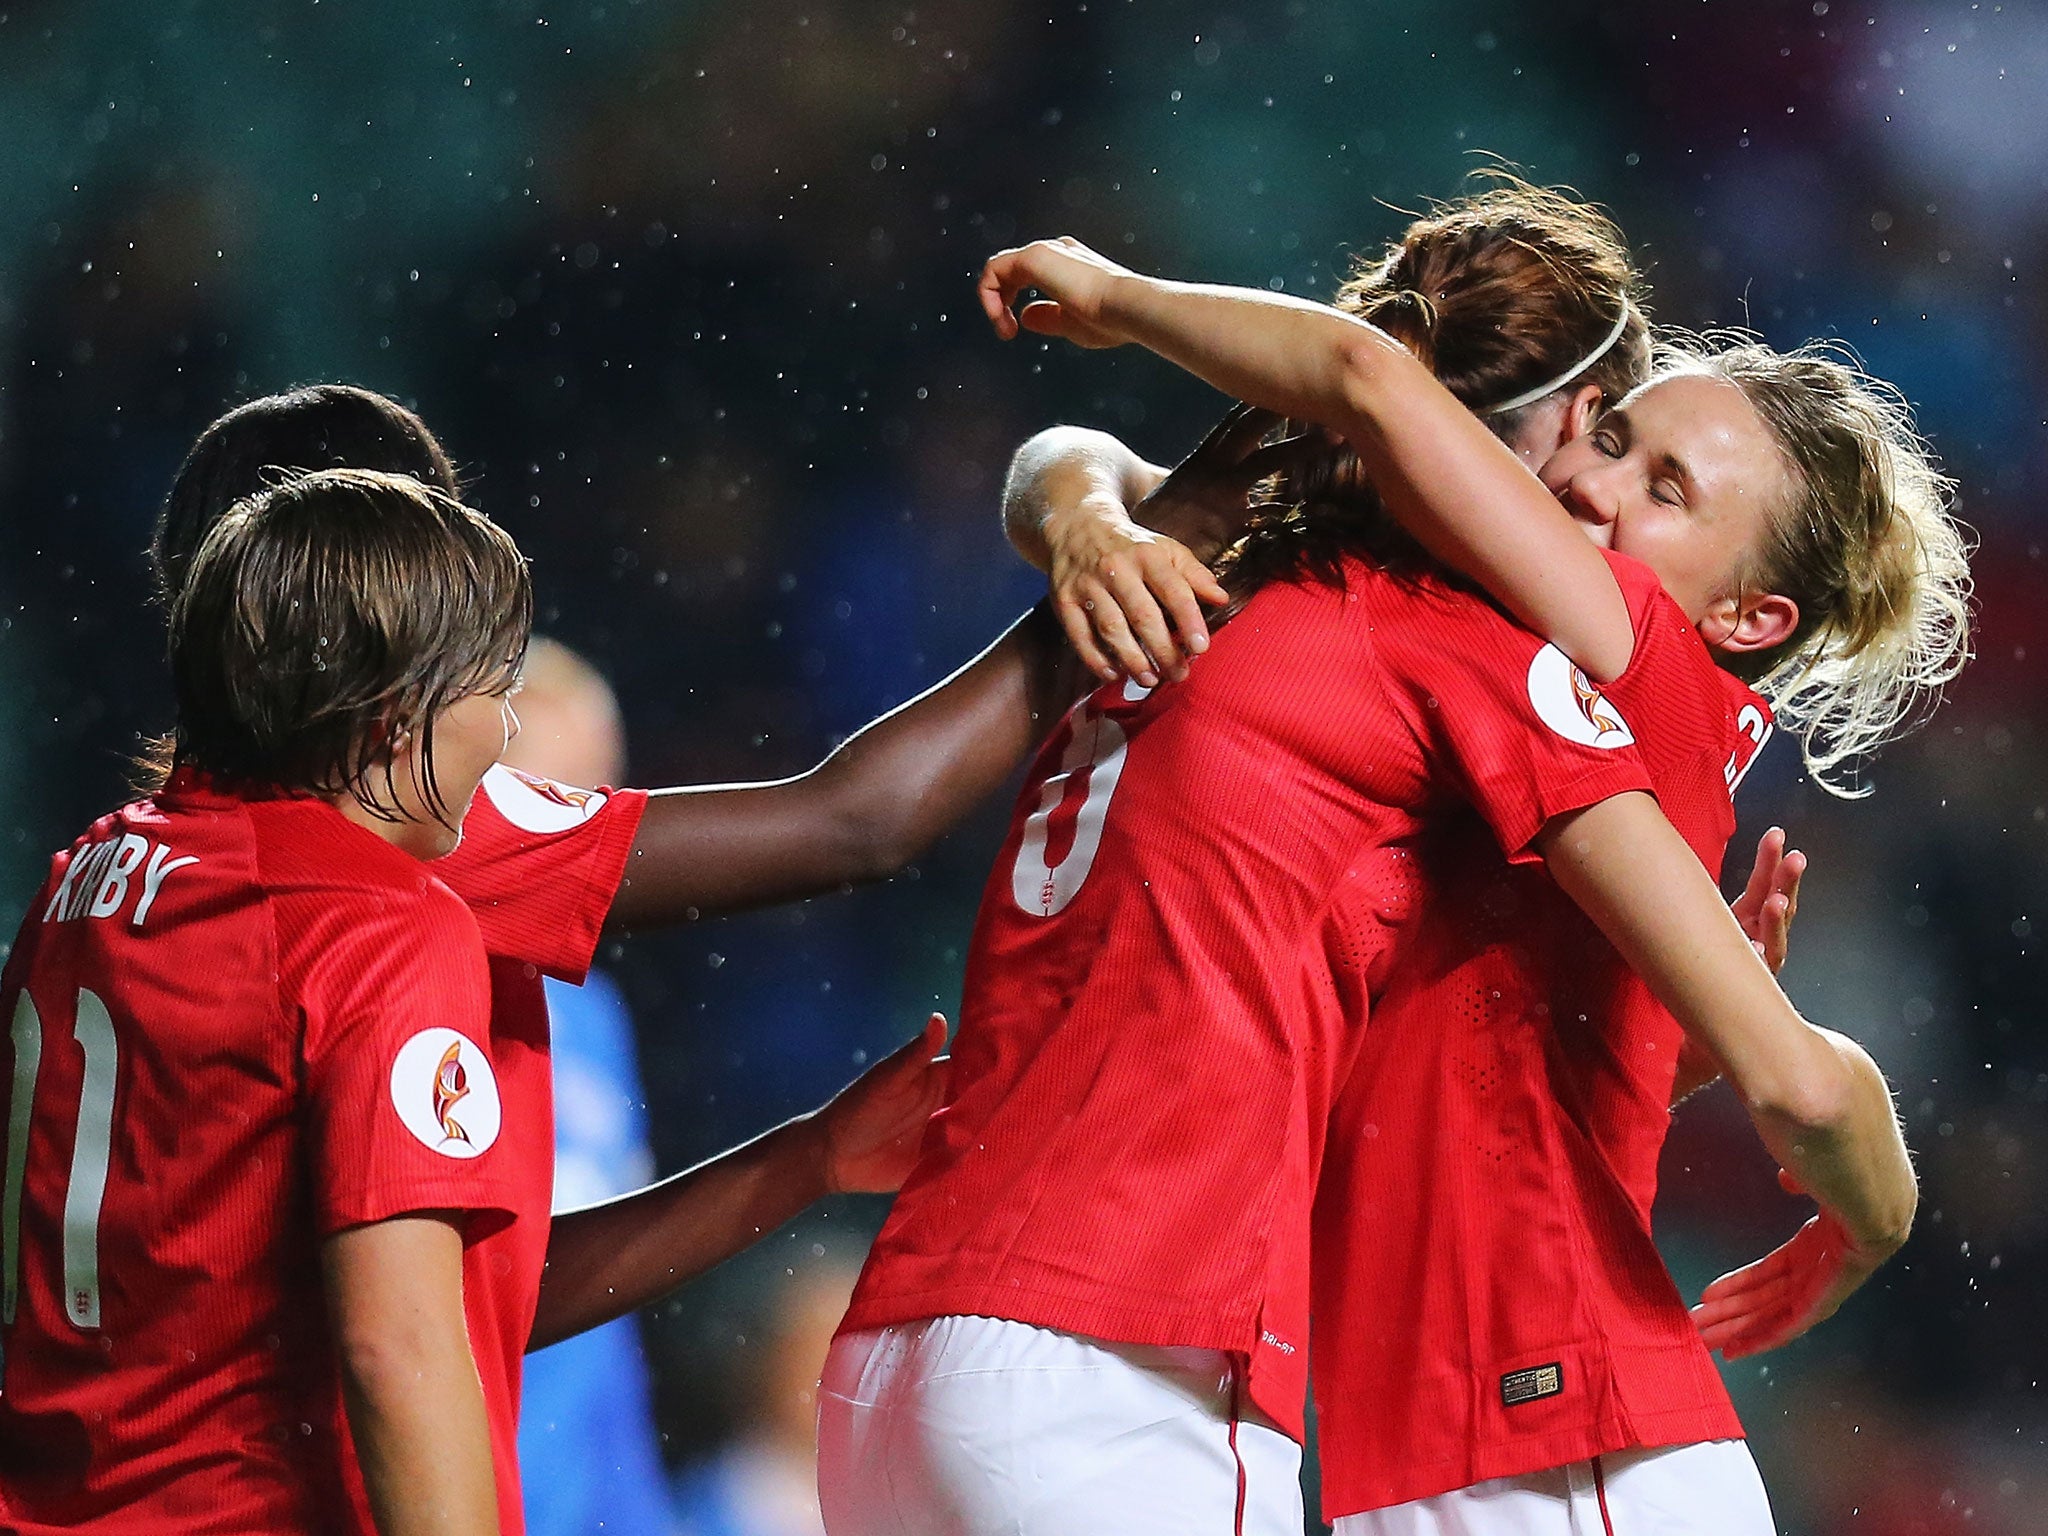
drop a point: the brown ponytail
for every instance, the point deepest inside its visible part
(1497, 293)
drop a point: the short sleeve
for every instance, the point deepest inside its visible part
(1524, 734)
(539, 865)
(403, 1108)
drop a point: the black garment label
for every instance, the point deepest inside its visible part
(1527, 1386)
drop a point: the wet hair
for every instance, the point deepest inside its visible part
(1497, 293)
(1869, 549)
(331, 611)
(322, 426)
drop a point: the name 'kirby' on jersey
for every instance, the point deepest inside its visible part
(97, 881)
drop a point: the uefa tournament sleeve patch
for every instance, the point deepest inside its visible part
(446, 1094)
(534, 804)
(1570, 705)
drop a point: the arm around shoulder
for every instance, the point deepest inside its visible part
(1816, 1099)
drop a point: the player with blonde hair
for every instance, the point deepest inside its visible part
(1804, 533)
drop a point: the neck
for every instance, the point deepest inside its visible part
(423, 840)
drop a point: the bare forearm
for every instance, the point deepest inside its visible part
(423, 1442)
(1297, 358)
(1823, 1111)
(607, 1260)
(1065, 471)
(409, 1383)
(876, 803)
(1857, 1163)
(1440, 472)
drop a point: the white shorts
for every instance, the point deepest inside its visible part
(972, 1426)
(1709, 1489)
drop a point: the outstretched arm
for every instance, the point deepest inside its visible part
(1815, 1097)
(1443, 475)
(881, 799)
(610, 1259)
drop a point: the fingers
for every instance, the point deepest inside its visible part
(1079, 623)
(1758, 1319)
(995, 289)
(1043, 317)
(1767, 1271)
(1791, 875)
(920, 1048)
(1127, 658)
(1148, 630)
(1771, 1330)
(1763, 870)
(1775, 921)
(1780, 907)
(1181, 590)
(1716, 1308)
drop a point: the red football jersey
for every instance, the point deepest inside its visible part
(1488, 1299)
(538, 866)
(238, 1025)
(1144, 1065)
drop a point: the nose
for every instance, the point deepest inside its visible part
(1591, 497)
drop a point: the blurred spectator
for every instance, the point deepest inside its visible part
(587, 1448)
(765, 1481)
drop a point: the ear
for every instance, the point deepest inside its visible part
(1587, 404)
(1557, 420)
(1737, 625)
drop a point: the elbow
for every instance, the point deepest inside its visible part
(381, 1365)
(1816, 1099)
(1804, 1084)
(878, 848)
(1897, 1225)
(1365, 366)
(875, 836)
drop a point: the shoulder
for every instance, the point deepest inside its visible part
(519, 821)
(1641, 590)
(324, 873)
(526, 803)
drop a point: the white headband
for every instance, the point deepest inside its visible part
(1531, 396)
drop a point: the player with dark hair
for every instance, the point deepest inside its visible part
(319, 426)
(254, 1056)
(248, 1059)
(1115, 1205)
(1493, 1323)
(544, 867)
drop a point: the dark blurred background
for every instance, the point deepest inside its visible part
(686, 289)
